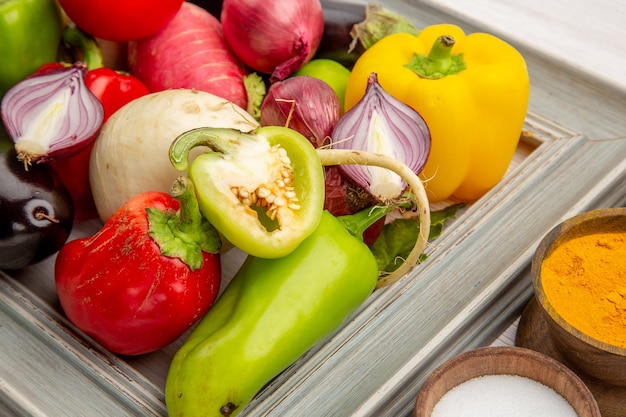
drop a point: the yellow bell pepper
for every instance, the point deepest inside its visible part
(473, 93)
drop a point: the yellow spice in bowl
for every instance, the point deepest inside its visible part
(585, 281)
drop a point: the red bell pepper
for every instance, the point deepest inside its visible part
(113, 89)
(146, 277)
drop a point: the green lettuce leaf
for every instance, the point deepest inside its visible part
(398, 237)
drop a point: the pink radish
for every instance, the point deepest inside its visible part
(189, 52)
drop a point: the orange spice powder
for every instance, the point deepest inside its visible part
(585, 281)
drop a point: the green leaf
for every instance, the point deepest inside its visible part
(398, 237)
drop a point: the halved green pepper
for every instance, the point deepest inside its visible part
(271, 313)
(263, 191)
(30, 33)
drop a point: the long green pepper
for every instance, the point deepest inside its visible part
(272, 312)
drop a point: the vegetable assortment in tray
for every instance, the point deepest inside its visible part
(233, 209)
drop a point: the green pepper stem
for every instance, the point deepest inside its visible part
(360, 221)
(190, 225)
(186, 233)
(439, 62)
(212, 138)
(347, 156)
(189, 215)
(357, 223)
(88, 45)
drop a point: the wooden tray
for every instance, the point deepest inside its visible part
(474, 284)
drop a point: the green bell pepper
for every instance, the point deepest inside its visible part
(263, 191)
(271, 313)
(30, 33)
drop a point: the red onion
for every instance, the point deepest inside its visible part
(380, 123)
(273, 37)
(52, 114)
(305, 104)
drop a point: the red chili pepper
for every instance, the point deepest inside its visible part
(146, 277)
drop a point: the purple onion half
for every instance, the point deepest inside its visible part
(382, 124)
(52, 114)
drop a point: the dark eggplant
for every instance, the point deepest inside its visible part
(36, 211)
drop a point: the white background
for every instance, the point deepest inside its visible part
(591, 35)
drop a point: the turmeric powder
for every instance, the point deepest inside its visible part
(585, 281)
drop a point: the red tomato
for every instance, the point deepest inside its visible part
(120, 20)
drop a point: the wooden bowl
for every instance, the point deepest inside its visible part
(594, 357)
(505, 360)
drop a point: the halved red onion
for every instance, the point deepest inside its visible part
(382, 124)
(52, 114)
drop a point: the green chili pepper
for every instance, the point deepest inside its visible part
(271, 313)
(30, 32)
(263, 191)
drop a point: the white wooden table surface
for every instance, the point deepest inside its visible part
(589, 35)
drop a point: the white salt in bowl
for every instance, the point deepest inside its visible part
(543, 379)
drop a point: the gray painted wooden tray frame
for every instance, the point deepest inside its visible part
(474, 284)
